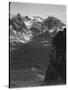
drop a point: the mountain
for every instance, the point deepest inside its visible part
(53, 23)
(24, 29)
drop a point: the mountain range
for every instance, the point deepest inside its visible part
(23, 29)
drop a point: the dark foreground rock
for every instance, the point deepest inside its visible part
(57, 69)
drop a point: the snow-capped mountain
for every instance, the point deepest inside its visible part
(34, 18)
(37, 19)
(28, 24)
(24, 28)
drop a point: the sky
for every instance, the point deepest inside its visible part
(42, 10)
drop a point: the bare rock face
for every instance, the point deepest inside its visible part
(52, 22)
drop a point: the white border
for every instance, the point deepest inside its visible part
(4, 43)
